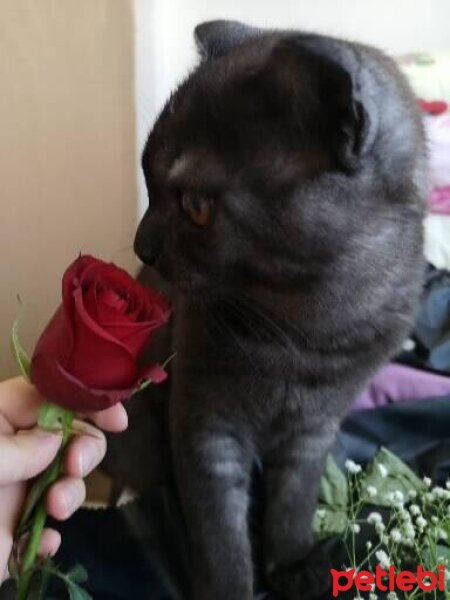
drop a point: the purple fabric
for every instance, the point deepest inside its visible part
(439, 200)
(397, 383)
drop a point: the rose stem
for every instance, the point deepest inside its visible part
(34, 541)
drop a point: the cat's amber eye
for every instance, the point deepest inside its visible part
(198, 208)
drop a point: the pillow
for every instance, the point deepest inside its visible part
(428, 74)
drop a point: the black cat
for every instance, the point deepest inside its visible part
(286, 179)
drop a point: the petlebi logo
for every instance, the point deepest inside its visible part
(388, 580)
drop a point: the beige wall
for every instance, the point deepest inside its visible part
(67, 149)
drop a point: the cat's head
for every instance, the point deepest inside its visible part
(241, 165)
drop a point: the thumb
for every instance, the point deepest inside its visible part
(26, 453)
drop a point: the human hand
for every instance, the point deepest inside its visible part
(25, 451)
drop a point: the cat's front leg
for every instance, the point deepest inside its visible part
(213, 474)
(296, 568)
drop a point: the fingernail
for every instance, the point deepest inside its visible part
(89, 456)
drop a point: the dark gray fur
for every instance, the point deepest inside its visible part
(304, 285)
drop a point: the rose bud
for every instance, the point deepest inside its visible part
(87, 357)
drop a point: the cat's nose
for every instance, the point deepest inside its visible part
(146, 246)
(148, 255)
(147, 258)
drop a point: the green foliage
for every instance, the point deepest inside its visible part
(399, 478)
(18, 352)
(72, 580)
(52, 417)
(329, 521)
(334, 487)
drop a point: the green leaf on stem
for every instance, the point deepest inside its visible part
(77, 574)
(334, 485)
(52, 417)
(45, 572)
(329, 521)
(71, 579)
(143, 386)
(76, 592)
(388, 474)
(431, 556)
(20, 356)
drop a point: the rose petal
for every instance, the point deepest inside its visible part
(154, 372)
(90, 301)
(58, 386)
(57, 337)
(98, 359)
(132, 335)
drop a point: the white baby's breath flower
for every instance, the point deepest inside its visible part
(355, 528)
(447, 484)
(441, 534)
(434, 520)
(383, 559)
(383, 470)
(409, 530)
(421, 523)
(438, 492)
(412, 494)
(379, 528)
(396, 535)
(414, 509)
(371, 491)
(404, 514)
(373, 596)
(399, 498)
(352, 467)
(320, 513)
(392, 596)
(369, 545)
(427, 481)
(374, 518)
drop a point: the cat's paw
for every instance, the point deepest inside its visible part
(308, 579)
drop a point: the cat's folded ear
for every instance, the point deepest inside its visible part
(328, 83)
(216, 38)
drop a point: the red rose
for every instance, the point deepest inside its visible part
(86, 358)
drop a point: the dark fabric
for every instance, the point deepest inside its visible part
(432, 329)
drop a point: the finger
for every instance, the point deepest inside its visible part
(11, 500)
(65, 497)
(114, 419)
(19, 403)
(26, 453)
(50, 543)
(85, 451)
